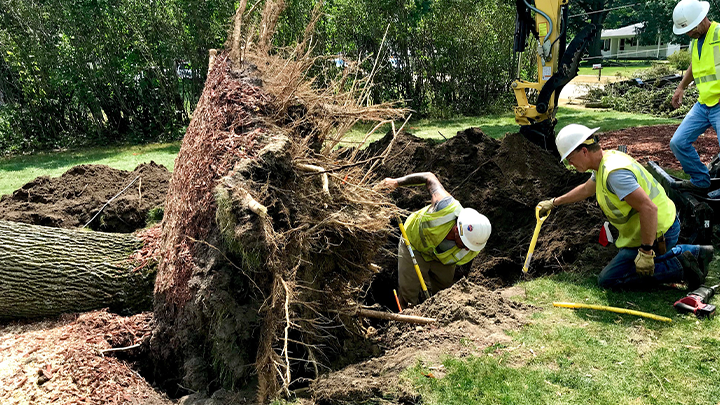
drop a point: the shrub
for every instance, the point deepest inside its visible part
(680, 60)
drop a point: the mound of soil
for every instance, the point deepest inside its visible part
(469, 317)
(73, 199)
(504, 180)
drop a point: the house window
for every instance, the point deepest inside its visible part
(622, 44)
(606, 45)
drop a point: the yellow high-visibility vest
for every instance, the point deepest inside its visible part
(619, 213)
(426, 230)
(706, 68)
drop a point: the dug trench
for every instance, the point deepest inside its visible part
(502, 179)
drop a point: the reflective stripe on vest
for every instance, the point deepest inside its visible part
(427, 229)
(706, 67)
(619, 213)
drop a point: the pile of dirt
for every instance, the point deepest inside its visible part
(469, 317)
(73, 199)
(504, 180)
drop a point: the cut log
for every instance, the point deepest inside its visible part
(49, 271)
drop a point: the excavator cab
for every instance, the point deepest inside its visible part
(557, 64)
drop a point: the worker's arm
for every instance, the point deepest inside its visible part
(437, 191)
(647, 210)
(579, 193)
(680, 90)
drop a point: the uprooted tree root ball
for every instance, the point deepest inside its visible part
(267, 240)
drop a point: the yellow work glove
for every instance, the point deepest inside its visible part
(546, 206)
(645, 263)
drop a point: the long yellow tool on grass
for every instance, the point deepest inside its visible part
(412, 255)
(611, 309)
(539, 223)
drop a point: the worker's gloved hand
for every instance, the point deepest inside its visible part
(546, 206)
(645, 263)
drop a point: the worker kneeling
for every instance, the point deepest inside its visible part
(442, 236)
(636, 204)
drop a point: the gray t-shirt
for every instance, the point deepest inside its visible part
(621, 182)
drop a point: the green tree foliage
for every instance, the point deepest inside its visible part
(445, 57)
(100, 71)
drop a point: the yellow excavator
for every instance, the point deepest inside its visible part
(557, 64)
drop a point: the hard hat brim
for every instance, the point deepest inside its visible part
(569, 151)
(684, 30)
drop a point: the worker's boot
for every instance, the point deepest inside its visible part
(693, 275)
(705, 257)
(688, 185)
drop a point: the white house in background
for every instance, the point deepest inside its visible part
(623, 43)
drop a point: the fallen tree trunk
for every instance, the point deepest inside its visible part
(49, 271)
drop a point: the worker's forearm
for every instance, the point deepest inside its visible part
(415, 179)
(648, 225)
(579, 193)
(687, 79)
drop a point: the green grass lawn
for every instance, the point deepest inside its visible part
(627, 68)
(567, 356)
(18, 170)
(496, 126)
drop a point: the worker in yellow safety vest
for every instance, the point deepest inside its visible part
(690, 18)
(442, 236)
(636, 204)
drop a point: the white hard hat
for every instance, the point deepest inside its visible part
(571, 137)
(688, 14)
(474, 229)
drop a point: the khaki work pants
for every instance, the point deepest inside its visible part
(437, 276)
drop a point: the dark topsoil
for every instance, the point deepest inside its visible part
(71, 200)
(502, 179)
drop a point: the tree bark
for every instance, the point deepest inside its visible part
(49, 271)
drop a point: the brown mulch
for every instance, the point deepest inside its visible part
(64, 361)
(653, 143)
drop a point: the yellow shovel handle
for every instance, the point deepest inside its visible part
(412, 255)
(611, 309)
(539, 223)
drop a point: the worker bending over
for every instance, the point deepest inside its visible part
(636, 204)
(442, 235)
(690, 18)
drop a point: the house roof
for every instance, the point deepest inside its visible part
(623, 32)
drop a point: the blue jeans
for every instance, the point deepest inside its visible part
(620, 272)
(700, 118)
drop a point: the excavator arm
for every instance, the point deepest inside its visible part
(557, 64)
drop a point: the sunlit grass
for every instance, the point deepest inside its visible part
(497, 125)
(18, 170)
(584, 357)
